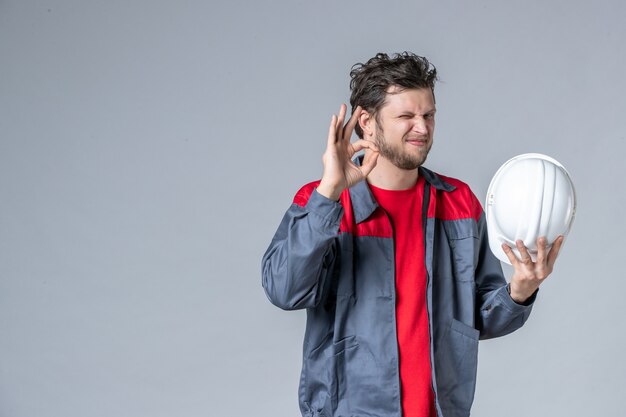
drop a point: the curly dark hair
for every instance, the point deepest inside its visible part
(370, 81)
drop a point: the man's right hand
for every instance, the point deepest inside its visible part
(340, 172)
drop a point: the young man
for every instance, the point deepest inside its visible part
(392, 262)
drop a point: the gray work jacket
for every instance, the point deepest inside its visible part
(336, 259)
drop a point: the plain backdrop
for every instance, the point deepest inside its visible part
(148, 150)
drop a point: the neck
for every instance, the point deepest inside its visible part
(387, 176)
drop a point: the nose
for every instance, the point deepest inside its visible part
(419, 125)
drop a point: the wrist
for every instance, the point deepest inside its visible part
(520, 295)
(328, 191)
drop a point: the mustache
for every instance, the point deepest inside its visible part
(421, 137)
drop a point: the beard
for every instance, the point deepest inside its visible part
(398, 156)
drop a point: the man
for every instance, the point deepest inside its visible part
(392, 262)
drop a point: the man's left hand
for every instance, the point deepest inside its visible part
(529, 275)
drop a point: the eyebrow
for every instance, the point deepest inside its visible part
(432, 110)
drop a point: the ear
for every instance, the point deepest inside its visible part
(367, 123)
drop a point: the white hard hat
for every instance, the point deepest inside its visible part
(531, 195)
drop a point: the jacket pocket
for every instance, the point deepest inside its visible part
(364, 384)
(457, 365)
(463, 238)
(465, 330)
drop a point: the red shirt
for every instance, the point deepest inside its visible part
(404, 208)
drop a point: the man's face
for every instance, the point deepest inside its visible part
(407, 122)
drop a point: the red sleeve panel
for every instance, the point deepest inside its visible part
(376, 225)
(303, 194)
(458, 204)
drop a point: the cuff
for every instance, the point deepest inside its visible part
(330, 211)
(505, 296)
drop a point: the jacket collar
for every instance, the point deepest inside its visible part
(364, 204)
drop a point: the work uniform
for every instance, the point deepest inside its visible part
(336, 259)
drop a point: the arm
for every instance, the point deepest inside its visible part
(497, 314)
(501, 308)
(301, 254)
(300, 258)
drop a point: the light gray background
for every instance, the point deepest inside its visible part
(148, 150)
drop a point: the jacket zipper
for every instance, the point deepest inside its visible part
(425, 207)
(395, 319)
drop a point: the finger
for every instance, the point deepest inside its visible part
(332, 132)
(349, 127)
(554, 251)
(541, 250)
(339, 124)
(509, 254)
(360, 144)
(371, 154)
(523, 251)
